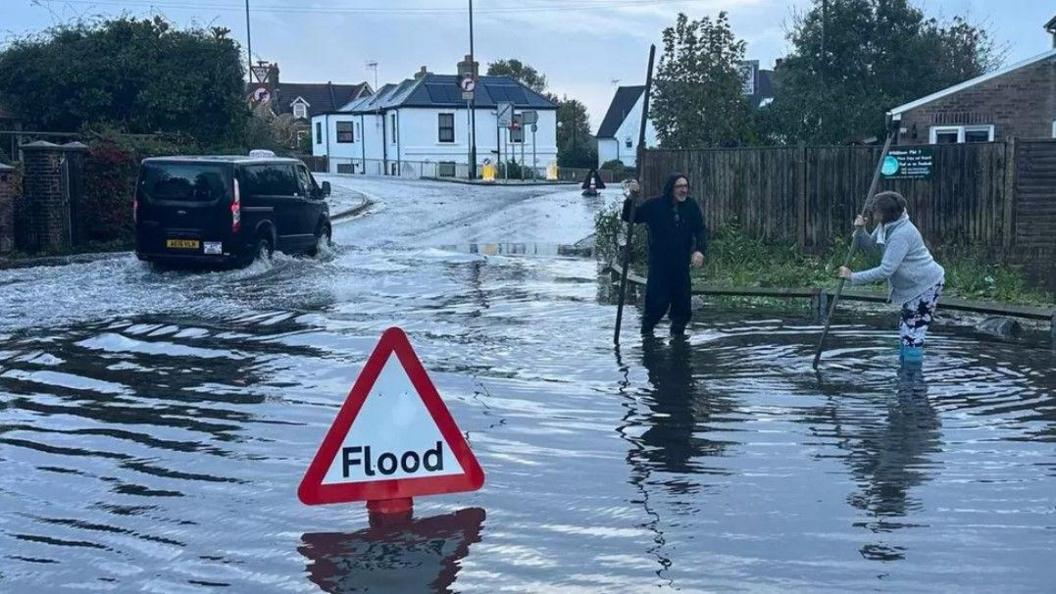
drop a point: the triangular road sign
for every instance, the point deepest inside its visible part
(393, 438)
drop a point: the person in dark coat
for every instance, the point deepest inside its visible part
(677, 239)
(592, 176)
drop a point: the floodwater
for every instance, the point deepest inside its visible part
(156, 426)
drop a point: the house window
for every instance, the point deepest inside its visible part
(446, 127)
(392, 118)
(945, 135)
(300, 111)
(961, 134)
(628, 143)
(978, 134)
(1054, 128)
(318, 133)
(344, 132)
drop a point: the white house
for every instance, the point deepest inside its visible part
(618, 133)
(421, 127)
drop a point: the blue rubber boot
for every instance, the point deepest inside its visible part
(911, 355)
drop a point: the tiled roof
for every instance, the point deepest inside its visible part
(621, 105)
(321, 97)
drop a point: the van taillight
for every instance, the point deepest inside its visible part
(236, 210)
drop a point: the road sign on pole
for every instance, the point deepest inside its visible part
(468, 87)
(260, 72)
(529, 117)
(504, 113)
(393, 438)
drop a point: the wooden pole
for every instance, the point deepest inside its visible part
(851, 250)
(634, 204)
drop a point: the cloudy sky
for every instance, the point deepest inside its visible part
(584, 47)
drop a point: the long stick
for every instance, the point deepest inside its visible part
(851, 250)
(634, 202)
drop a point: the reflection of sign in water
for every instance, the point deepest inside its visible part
(914, 163)
(393, 438)
(414, 556)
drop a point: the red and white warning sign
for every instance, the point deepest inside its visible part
(393, 438)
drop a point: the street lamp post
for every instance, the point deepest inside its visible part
(472, 105)
(249, 46)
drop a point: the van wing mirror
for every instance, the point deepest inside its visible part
(326, 188)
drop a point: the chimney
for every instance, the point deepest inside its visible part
(273, 76)
(1051, 28)
(421, 73)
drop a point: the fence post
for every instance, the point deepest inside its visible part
(7, 209)
(1010, 193)
(801, 195)
(1052, 331)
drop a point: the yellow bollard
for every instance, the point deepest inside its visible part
(551, 171)
(488, 173)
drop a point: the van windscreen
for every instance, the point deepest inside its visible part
(183, 182)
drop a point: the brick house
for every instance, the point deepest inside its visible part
(1015, 101)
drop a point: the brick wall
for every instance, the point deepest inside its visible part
(46, 212)
(1019, 104)
(7, 209)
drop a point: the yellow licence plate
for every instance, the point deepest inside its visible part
(183, 244)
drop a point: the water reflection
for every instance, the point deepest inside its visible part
(893, 456)
(416, 555)
(679, 409)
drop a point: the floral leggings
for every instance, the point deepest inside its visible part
(917, 314)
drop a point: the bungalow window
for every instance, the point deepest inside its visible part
(1054, 128)
(300, 111)
(947, 135)
(446, 127)
(318, 133)
(979, 134)
(961, 134)
(344, 132)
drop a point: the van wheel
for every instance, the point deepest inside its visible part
(263, 249)
(322, 240)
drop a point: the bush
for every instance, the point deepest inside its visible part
(110, 178)
(610, 234)
(511, 170)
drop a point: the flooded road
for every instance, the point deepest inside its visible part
(156, 426)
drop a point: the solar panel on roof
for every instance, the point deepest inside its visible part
(443, 93)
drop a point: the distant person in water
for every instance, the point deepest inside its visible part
(592, 183)
(677, 239)
(914, 278)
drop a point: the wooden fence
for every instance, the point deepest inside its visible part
(1000, 196)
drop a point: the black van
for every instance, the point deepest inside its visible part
(227, 210)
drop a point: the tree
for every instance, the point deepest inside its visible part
(518, 71)
(697, 95)
(139, 76)
(576, 147)
(280, 133)
(853, 60)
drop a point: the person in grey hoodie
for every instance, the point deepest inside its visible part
(915, 279)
